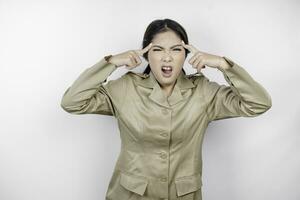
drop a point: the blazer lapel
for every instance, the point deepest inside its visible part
(157, 95)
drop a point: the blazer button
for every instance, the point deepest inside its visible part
(164, 134)
(163, 179)
(165, 111)
(163, 155)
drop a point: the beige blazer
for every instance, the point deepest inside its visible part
(161, 138)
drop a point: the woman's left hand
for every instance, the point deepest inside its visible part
(200, 59)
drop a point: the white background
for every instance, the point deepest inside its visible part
(47, 153)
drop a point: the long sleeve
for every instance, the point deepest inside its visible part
(243, 97)
(89, 95)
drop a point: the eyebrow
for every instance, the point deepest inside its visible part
(171, 46)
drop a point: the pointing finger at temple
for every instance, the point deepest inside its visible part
(191, 48)
(144, 50)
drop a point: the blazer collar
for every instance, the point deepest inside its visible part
(157, 95)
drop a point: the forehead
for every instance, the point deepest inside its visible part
(166, 39)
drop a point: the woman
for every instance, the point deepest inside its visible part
(163, 113)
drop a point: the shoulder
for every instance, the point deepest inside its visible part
(195, 76)
(129, 76)
(198, 78)
(203, 83)
(132, 76)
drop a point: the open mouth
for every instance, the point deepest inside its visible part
(167, 70)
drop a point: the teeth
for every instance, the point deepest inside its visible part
(167, 68)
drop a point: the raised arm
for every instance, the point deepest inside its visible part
(243, 97)
(89, 95)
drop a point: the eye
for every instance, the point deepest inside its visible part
(177, 49)
(156, 49)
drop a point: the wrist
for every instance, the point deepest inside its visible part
(108, 59)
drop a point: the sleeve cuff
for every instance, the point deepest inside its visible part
(233, 66)
(233, 73)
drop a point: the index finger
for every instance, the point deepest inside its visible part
(144, 50)
(189, 47)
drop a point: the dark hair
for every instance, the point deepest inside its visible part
(159, 26)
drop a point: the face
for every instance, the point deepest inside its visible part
(166, 57)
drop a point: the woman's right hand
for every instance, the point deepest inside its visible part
(129, 58)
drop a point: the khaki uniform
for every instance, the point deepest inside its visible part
(161, 138)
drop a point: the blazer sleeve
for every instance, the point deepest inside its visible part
(244, 97)
(91, 94)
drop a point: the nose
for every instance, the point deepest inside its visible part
(167, 57)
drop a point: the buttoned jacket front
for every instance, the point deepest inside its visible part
(161, 137)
